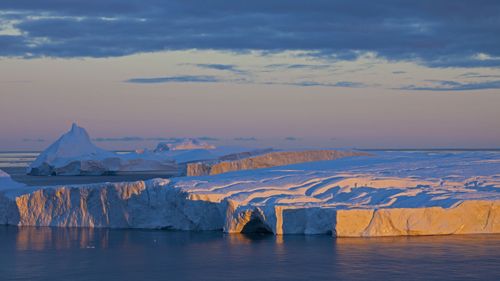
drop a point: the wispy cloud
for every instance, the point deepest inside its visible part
(213, 79)
(33, 140)
(116, 139)
(138, 138)
(445, 85)
(246, 139)
(298, 66)
(291, 139)
(223, 67)
(175, 79)
(205, 138)
(477, 75)
(398, 72)
(133, 139)
(342, 84)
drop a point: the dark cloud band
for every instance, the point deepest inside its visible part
(435, 33)
(442, 86)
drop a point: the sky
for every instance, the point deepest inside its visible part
(287, 73)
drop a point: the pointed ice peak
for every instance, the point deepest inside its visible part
(74, 144)
(77, 129)
(77, 132)
(74, 127)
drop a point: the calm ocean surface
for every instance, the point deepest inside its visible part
(31, 253)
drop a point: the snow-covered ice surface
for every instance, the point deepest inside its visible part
(7, 183)
(390, 193)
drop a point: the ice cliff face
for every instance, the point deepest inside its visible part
(140, 204)
(266, 160)
(384, 195)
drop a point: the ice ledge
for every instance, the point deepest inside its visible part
(160, 204)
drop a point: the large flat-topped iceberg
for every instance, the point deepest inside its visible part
(390, 193)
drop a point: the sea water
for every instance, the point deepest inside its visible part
(44, 253)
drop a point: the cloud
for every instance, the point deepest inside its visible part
(444, 85)
(246, 139)
(298, 66)
(398, 72)
(33, 140)
(137, 139)
(224, 67)
(118, 139)
(342, 84)
(132, 139)
(208, 139)
(476, 75)
(214, 79)
(291, 139)
(175, 79)
(445, 33)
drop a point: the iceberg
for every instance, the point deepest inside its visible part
(386, 194)
(183, 144)
(75, 154)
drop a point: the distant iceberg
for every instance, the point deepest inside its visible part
(75, 154)
(183, 144)
(72, 154)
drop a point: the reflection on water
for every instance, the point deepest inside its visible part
(41, 238)
(30, 253)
